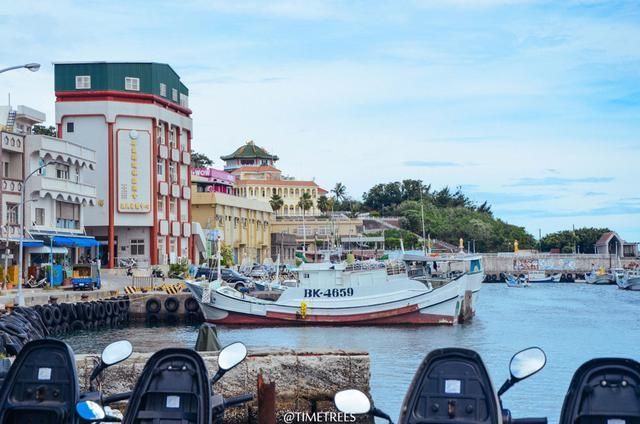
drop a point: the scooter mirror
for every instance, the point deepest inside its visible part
(90, 411)
(231, 356)
(352, 402)
(526, 363)
(117, 352)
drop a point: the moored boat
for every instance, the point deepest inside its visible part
(366, 293)
(600, 277)
(515, 282)
(542, 277)
(628, 279)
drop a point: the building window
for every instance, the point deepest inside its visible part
(172, 138)
(184, 100)
(67, 215)
(83, 82)
(161, 168)
(160, 133)
(173, 209)
(172, 245)
(163, 89)
(62, 171)
(174, 94)
(39, 216)
(173, 173)
(132, 84)
(70, 127)
(161, 210)
(5, 169)
(12, 213)
(137, 247)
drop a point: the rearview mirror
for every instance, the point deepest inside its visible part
(90, 411)
(526, 363)
(117, 352)
(231, 356)
(352, 402)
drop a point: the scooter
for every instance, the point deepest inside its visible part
(603, 391)
(42, 384)
(452, 385)
(174, 387)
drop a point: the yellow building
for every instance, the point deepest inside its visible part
(257, 178)
(318, 231)
(246, 223)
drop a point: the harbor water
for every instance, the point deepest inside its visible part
(571, 322)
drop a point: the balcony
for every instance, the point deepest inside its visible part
(11, 186)
(69, 190)
(56, 148)
(12, 142)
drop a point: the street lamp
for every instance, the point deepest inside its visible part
(20, 253)
(33, 67)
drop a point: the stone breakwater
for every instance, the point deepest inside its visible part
(304, 381)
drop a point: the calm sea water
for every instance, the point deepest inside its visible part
(571, 322)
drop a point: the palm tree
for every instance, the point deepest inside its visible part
(305, 203)
(339, 191)
(323, 204)
(276, 203)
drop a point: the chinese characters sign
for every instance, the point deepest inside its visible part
(134, 171)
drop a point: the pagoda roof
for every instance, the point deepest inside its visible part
(250, 150)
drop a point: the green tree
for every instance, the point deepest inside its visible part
(323, 203)
(276, 203)
(581, 240)
(51, 131)
(227, 255)
(200, 160)
(339, 191)
(305, 202)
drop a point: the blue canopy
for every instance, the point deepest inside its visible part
(74, 241)
(31, 243)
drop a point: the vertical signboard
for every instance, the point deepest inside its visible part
(134, 171)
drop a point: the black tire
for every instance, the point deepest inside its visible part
(152, 319)
(191, 305)
(65, 327)
(100, 310)
(57, 331)
(108, 308)
(47, 316)
(123, 305)
(65, 312)
(87, 310)
(502, 276)
(193, 317)
(57, 315)
(79, 311)
(152, 306)
(77, 325)
(171, 304)
(563, 278)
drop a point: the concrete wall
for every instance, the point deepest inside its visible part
(511, 262)
(304, 380)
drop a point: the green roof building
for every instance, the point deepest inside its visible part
(248, 155)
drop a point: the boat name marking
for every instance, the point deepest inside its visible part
(345, 292)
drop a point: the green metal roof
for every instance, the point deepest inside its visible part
(111, 76)
(250, 150)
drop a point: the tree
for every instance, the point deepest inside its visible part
(323, 203)
(305, 203)
(276, 203)
(583, 240)
(51, 131)
(200, 160)
(339, 191)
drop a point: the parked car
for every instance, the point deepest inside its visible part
(259, 272)
(234, 278)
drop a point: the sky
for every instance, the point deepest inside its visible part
(531, 105)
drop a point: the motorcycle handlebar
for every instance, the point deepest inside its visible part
(237, 400)
(541, 420)
(116, 398)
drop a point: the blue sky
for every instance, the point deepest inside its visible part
(532, 105)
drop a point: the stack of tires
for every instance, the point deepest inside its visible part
(155, 306)
(26, 324)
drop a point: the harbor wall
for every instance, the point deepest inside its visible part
(305, 381)
(566, 263)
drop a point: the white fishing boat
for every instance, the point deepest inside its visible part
(542, 277)
(515, 282)
(601, 276)
(365, 293)
(628, 279)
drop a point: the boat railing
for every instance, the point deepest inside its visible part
(363, 266)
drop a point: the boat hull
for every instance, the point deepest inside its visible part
(629, 283)
(418, 307)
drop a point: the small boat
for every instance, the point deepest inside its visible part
(628, 279)
(514, 282)
(363, 293)
(600, 277)
(541, 277)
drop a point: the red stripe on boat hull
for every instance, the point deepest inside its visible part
(408, 316)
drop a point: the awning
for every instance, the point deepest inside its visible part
(74, 241)
(48, 250)
(29, 242)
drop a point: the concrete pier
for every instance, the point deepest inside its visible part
(304, 381)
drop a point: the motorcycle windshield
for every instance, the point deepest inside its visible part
(41, 386)
(451, 386)
(173, 388)
(603, 391)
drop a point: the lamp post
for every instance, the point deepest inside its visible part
(33, 67)
(20, 253)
